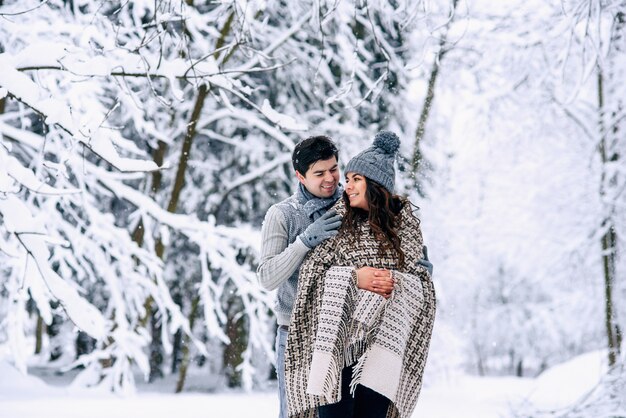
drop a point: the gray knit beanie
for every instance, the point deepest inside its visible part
(376, 162)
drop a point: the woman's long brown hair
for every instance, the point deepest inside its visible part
(383, 217)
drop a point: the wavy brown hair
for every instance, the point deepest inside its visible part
(383, 217)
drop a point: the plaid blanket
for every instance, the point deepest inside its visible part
(334, 324)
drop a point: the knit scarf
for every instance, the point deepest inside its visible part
(314, 206)
(334, 324)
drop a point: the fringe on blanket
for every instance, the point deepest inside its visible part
(356, 342)
(358, 351)
(323, 379)
(357, 371)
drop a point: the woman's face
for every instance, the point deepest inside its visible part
(355, 189)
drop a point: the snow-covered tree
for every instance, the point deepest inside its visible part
(142, 143)
(515, 210)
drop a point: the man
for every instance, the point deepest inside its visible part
(296, 225)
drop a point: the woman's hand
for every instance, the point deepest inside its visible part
(375, 280)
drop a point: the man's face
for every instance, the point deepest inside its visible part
(322, 177)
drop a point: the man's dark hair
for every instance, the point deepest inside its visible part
(312, 149)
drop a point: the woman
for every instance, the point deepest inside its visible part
(353, 352)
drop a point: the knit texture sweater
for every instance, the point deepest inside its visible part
(340, 325)
(282, 251)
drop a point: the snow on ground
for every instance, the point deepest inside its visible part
(475, 397)
(565, 383)
(470, 397)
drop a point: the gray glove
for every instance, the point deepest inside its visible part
(425, 263)
(324, 227)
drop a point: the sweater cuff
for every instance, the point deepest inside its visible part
(300, 247)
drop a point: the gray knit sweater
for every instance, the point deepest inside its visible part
(282, 251)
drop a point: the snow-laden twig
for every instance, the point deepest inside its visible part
(56, 112)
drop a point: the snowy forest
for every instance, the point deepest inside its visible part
(142, 142)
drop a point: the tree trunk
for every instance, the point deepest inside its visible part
(519, 371)
(156, 344)
(177, 351)
(184, 363)
(191, 132)
(156, 347)
(172, 205)
(428, 101)
(53, 330)
(236, 333)
(613, 331)
(178, 337)
(39, 333)
(609, 238)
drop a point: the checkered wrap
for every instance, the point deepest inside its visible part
(334, 324)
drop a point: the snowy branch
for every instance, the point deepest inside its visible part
(56, 112)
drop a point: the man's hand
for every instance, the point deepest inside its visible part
(375, 280)
(324, 227)
(425, 263)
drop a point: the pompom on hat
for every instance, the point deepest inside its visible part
(376, 162)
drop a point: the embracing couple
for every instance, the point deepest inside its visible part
(355, 300)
